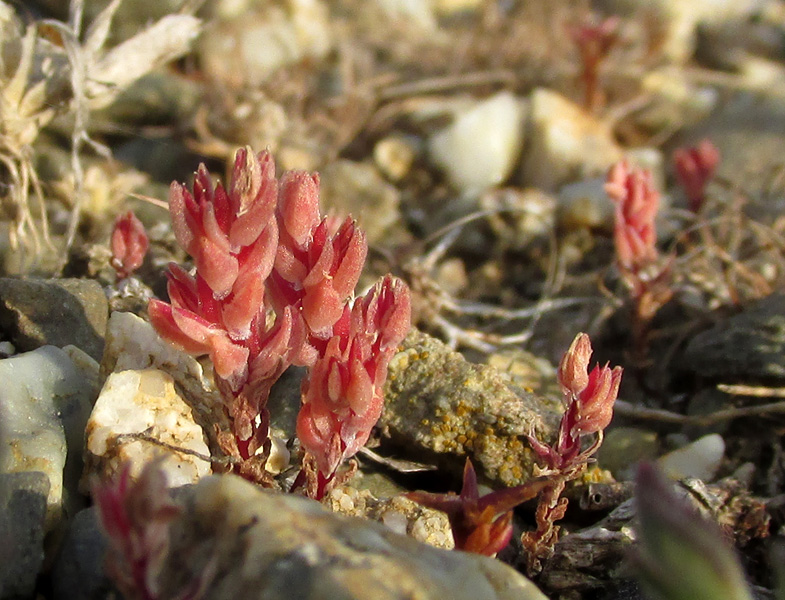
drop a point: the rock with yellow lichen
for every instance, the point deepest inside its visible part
(439, 406)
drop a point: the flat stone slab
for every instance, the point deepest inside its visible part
(251, 544)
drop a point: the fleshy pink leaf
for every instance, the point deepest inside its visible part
(182, 209)
(230, 360)
(244, 305)
(352, 250)
(322, 306)
(573, 373)
(298, 205)
(162, 318)
(217, 267)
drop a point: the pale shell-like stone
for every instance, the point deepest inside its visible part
(479, 148)
(44, 404)
(144, 402)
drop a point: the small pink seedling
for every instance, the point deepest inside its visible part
(135, 516)
(594, 41)
(480, 524)
(695, 166)
(588, 398)
(483, 524)
(646, 274)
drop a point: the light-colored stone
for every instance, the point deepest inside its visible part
(45, 401)
(144, 402)
(248, 48)
(448, 8)
(478, 150)
(416, 12)
(394, 155)
(279, 458)
(699, 459)
(250, 544)
(564, 143)
(132, 343)
(585, 205)
(397, 513)
(87, 366)
(762, 74)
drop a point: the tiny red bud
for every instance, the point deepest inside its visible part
(573, 369)
(129, 244)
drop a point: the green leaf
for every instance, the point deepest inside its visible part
(680, 555)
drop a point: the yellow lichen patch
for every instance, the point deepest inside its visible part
(595, 474)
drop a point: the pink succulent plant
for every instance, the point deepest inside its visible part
(594, 41)
(637, 202)
(272, 287)
(588, 398)
(695, 166)
(342, 394)
(644, 271)
(135, 517)
(129, 244)
(232, 236)
(316, 268)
